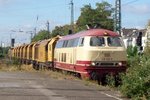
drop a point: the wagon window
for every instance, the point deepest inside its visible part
(81, 41)
(114, 41)
(97, 41)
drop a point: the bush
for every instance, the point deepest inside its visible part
(110, 79)
(132, 51)
(136, 81)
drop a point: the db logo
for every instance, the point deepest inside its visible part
(106, 54)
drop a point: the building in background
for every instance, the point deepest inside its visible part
(130, 36)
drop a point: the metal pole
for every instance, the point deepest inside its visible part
(72, 15)
(118, 16)
(31, 36)
(34, 31)
(48, 26)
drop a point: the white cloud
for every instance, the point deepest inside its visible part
(137, 9)
(3, 2)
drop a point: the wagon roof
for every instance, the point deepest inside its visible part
(31, 44)
(91, 32)
(43, 43)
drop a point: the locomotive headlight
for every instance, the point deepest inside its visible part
(120, 63)
(93, 64)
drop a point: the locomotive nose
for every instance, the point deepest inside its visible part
(107, 55)
(105, 58)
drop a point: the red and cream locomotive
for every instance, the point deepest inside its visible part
(92, 53)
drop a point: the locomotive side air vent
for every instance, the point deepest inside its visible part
(89, 26)
(96, 25)
(70, 32)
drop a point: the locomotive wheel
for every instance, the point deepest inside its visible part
(78, 75)
(37, 67)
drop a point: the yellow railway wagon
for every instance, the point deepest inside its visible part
(42, 54)
(15, 52)
(24, 57)
(21, 52)
(29, 53)
(18, 52)
(51, 47)
(35, 55)
(34, 51)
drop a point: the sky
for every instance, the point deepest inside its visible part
(19, 17)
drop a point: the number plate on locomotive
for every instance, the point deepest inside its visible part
(107, 59)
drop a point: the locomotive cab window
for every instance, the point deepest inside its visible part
(97, 41)
(70, 43)
(76, 42)
(114, 41)
(65, 43)
(59, 44)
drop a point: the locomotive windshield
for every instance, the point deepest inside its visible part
(103, 41)
(114, 41)
(97, 41)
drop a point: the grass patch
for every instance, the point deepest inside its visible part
(4, 67)
(59, 75)
(14, 65)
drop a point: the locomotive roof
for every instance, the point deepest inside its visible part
(91, 32)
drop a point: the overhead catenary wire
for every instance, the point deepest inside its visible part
(130, 2)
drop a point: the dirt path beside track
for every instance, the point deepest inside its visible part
(38, 86)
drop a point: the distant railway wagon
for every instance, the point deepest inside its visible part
(43, 53)
(24, 56)
(29, 53)
(92, 53)
(14, 52)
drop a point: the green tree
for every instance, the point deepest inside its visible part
(100, 15)
(3, 51)
(43, 34)
(87, 17)
(104, 12)
(132, 51)
(61, 30)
